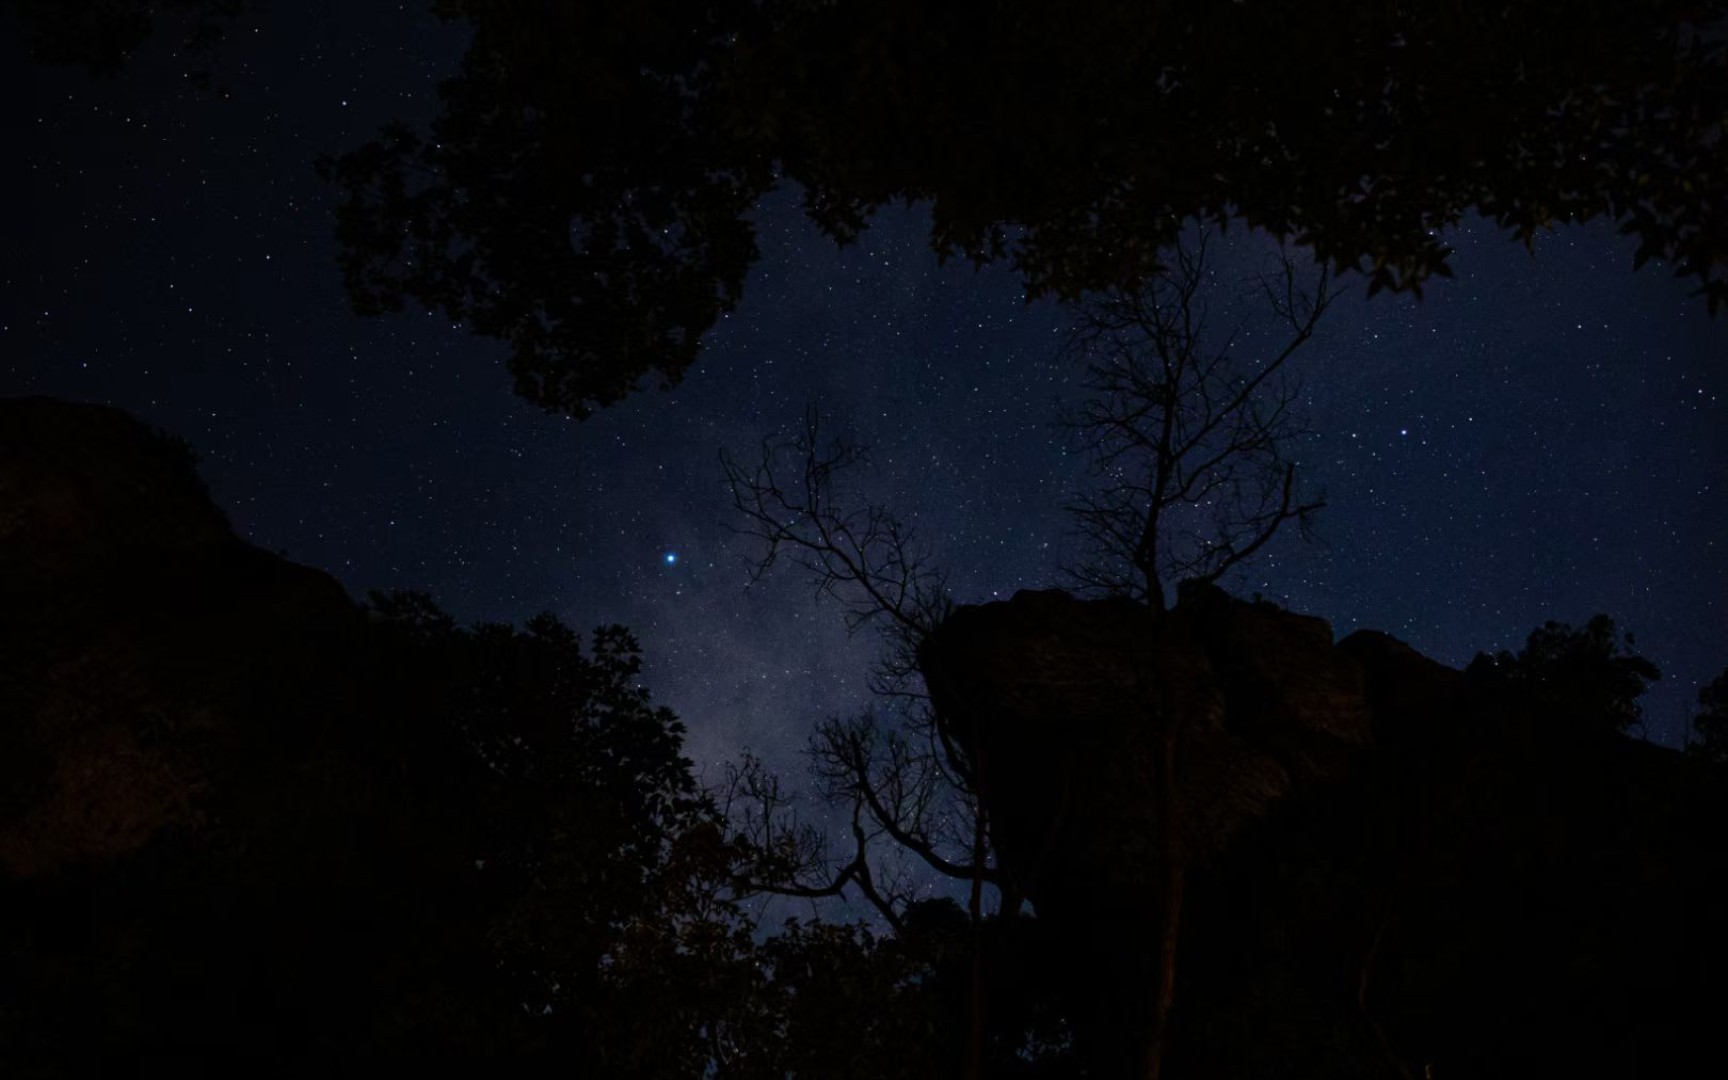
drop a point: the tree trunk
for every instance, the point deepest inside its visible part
(1169, 931)
(975, 1035)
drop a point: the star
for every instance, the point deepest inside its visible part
(671, 558)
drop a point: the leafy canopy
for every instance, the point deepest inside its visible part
(583, 193)
(1586, 676)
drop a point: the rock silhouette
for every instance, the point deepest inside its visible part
(1388, 866)
(136, 628)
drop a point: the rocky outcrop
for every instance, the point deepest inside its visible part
(144, 649)
(1065, 702)
(84, 488)
(1077, 713)
(1388, 865)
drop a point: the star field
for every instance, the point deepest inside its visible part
(1544, 436)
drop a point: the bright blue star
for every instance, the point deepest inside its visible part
(671, 557)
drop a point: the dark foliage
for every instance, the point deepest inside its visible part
(465, 842)
(1710, 726)
(579, 197)
(484, 849)
(582, 195)
(871, 998)
(583, 826)
(490, 852)
(1588, 677)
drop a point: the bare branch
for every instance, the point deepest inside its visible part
(909, 783)
(783, 856)
(902, 788)
(862, 556)
(1188, 437)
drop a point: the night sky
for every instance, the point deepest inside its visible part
(1541, 437)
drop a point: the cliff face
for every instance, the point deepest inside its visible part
(1386, 864)
(192, 835)
(87, 488)
(144, 649)
(1066, 702)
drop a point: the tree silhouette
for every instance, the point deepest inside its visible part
(477, 844)
(1587, 677)
(407, 838)
(583, 193)
(905, 779)
(1190, 443)
(900, 778)
(1179, 425)
(580, 793)
(859, 1004)
(1710, 727)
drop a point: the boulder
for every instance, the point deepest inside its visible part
(1066, 702)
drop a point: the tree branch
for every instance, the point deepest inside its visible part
(1178, 426)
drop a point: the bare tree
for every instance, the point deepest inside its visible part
(898, 774)
(1189, 434)
(864, 557)
(1190, 440)
(1189, 437)
(906, 779)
